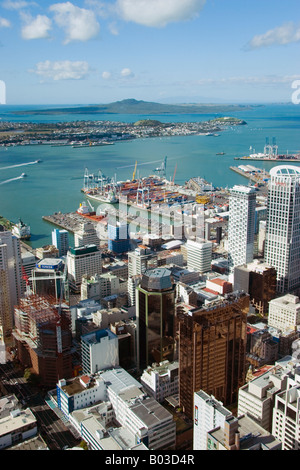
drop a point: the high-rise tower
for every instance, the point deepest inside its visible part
(212, 349)
(241, 226)
(155, 304)
(282, 244)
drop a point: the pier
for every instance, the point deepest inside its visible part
(256, 175)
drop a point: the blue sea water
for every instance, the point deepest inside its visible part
(54, 184)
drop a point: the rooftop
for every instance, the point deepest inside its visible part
(157, 279)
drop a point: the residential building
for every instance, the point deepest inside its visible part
(241, 226)
(282, 243)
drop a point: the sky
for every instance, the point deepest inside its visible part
(167, 51)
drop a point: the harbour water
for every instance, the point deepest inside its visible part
(54, 184)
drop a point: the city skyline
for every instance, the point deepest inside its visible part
(90, 51)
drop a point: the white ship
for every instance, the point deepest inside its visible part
(109, 198)
(21, 230)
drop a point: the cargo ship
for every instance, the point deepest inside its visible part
(21, 230)
(141, 192)
(109, 198)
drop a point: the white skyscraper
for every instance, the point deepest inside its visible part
(6, 317)
(282, 244)
(14, 262)
(241, 226)
(85, 260)
(199, 255)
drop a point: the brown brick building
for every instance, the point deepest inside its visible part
(212, 349)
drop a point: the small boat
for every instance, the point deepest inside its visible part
(220, 153)
(23, 175)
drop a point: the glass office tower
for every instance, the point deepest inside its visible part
(155, 317)
(282, 244)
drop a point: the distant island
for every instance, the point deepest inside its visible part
(132, 106)
(89, 133)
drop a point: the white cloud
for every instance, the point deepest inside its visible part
(158, 13)
(263, 80)
(17, 5)
(282, 35)
(62, 70)
(4, 23)
(126, 73)
(106, 75)
(35, 28)
(79, 24)
(113, 29)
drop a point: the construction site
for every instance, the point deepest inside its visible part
(43, 337)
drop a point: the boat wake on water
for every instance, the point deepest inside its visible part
(19, 164)
(12, 179)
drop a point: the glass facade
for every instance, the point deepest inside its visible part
(156, 313)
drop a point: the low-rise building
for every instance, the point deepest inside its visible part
(257, 398)
(209, 414)
(161, 380)
(17, 427)
(241, 433)
(134, 410)
(284, 312)
(286, 417)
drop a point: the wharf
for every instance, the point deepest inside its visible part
(70, 221)
(268, 159)
(255, 177)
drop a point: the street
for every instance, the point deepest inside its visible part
(54, 431)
